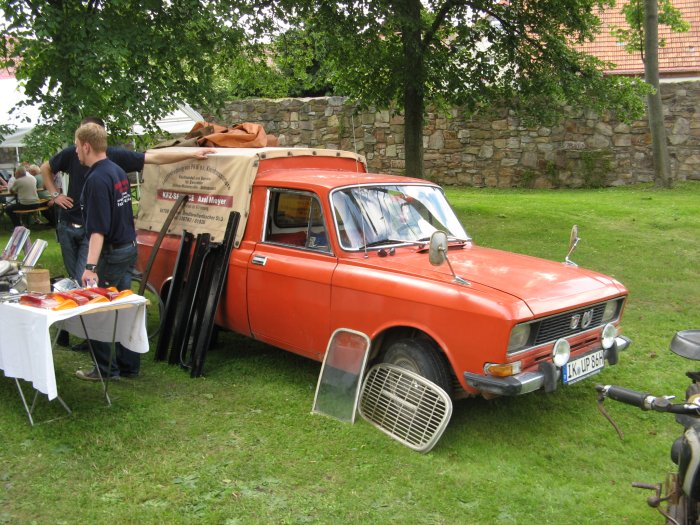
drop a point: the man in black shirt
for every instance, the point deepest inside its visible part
(70, 228)
(109, 225)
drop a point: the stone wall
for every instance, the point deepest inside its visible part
(493, 150)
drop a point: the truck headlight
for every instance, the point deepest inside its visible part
(561, 352)
(610, 311)
(607, 337)
(519, 337)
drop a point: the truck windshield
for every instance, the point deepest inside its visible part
(374, 216)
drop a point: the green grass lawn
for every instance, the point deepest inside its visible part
(240, 445)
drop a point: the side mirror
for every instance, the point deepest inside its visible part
(573, 238)
(573, 242)
(437, 252)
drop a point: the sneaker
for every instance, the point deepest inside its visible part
(92, 375)
(63, 339)
(129, 375)
(81, 347)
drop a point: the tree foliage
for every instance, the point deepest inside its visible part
(471, 53)
(128, 61)
(133, 60)
(292, 64)
(302, 60)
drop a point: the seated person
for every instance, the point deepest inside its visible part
(35, 171)
(24, 188)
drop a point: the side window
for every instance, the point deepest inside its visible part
(295, 218)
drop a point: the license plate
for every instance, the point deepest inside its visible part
(583, 367)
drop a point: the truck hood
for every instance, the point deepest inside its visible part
(544, 286)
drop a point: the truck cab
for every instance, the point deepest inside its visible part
(323, 245)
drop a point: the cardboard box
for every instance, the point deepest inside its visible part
(38, 281)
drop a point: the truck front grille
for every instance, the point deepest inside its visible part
(568, 324)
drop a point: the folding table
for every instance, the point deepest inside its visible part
(26, 348)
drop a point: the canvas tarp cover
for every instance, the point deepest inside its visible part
(215, 187)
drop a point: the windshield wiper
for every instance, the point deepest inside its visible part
(383, 242)
(422, 242)
(450, 238)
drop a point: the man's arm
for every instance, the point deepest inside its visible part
(163, 156)
(64, 201)
(94, 250)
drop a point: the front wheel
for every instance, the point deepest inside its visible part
(422, 357)
(682, 510)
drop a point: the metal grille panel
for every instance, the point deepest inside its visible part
(558, 326)
(405, 406)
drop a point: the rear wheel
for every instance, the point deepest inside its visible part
(684, 512)
(422, 357)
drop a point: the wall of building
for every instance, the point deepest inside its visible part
(493, 150)
(8, 156)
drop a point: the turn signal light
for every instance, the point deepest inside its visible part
(502, 370)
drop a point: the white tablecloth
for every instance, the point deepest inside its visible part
(25, 342)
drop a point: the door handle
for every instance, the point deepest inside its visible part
(259, 260)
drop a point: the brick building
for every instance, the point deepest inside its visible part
(679, 59)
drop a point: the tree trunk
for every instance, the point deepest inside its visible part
(414, 91)
(662, 162)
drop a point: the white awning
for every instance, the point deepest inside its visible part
(16, 139)
(179, 121)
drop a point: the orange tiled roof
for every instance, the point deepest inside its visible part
(680, 56)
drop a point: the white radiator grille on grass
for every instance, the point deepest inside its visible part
(406, 406)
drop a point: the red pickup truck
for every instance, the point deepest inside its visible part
(324, 245)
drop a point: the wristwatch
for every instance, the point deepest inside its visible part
(55, 194)
(90, 267)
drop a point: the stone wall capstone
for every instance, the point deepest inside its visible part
(495, 149)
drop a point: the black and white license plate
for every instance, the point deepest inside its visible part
(584, 366)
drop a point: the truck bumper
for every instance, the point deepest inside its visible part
(547, 376)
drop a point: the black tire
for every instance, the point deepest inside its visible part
(422, 357)
(154, 311)
(685, 512)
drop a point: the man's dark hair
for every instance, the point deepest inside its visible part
(93, 120)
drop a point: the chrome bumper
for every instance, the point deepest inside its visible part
(546, 377)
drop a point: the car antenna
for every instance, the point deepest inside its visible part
(357, 172)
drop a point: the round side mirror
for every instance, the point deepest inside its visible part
(437, 253)
(573, 238)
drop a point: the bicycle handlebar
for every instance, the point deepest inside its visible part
(645, 401)
(624, 395)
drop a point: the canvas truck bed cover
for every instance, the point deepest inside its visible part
(216, 186)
